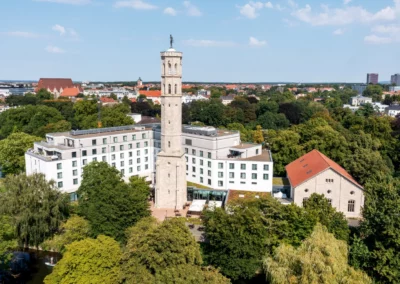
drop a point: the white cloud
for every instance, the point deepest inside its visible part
(22, 34)
(255, 42)
(269, 5)
(208, 43)
(250, 9)
(346, 15)
(374, 39)
(192, 10)
(390, 29)
(59, 29)
(338, 32)
(73, 33)
(345, 2)
(170, 11)
(71, 2)
(54, 49)
(135, 4)
(292, 4)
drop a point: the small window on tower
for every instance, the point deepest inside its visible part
(169, 88)
(176, 88)
(169, 144)
(176, 69)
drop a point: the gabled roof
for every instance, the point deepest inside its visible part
(149, 94)
(310, 165)
(107, 100)
(54, 83)
(70, 92)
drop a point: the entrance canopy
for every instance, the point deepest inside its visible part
(197, 205)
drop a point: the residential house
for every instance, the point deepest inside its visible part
(393, 110)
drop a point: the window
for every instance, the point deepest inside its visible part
(60, 184)
(305, 200)
(352, 192)
(329, 180)
(134, 137)
(201, 179)
(121, 155)
(187, 167)
(113, 164)
(231, 181)
(169, 89)
(243, 166)
(209, 182)
(186, 150)
(220, 165)
(75, 181)
(187, 159)
(330, 201)
(138, 153)
(176, 86)
(84, 153)
(193, 152)
(125, 138)
(201, 171)
(209, 155)
(201, 162)
(74, 164)
(138, 145)
(112, 148)
(104, 158)
(231, 175)
(122, 171)
(188, 142)
(138, 168)
(242, 182)
(130, 170)
(146, 167)
(146, 159)
(232, 166)
(84, 161)
(220, 174)
(59, 166)
(253, 176)
(306, 190)
(94, 151)
(59, 175)
(122, 163)
(138, 160)
(104, 140)
(351, 205)
(130, 146)
(104, 150)
(93, 142)
(146, 144)
(94, 159)
(209, 164)
(113, 157)
(130, 162)
(242, 175)
(115, 139)
(254, 167)
(121, 147)
(201, 153)
(209, 173)
(130, 154)
(194, 160)
(265, 176)
(75, 172)
(143, 135)
(73, 154)
(266, 167)
(194, 169)
(220, 183)
(257, 151)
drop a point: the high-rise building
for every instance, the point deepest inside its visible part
(395, 79)
(171, 164)
(372, 78)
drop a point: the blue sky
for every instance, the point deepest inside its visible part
(222, 40)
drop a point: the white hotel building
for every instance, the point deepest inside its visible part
(216, 160)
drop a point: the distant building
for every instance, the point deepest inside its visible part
(226, 100)
(359, 88)
(5, 92)
(360, 100)
(187, 99)
(54, 85)
(372, 78)
(71, 92)
(316, 173)
(105, 101)
(395, 79)
(139, 82)
(393, 110)
(137, 117)
(379, 107)
(394, 89)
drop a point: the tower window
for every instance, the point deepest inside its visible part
(169, 88)
(176, 89)
(176, 69)
(169, 68)
(169, 144)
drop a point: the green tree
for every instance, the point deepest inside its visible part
(374, 91)
(60, 126)
(164, 253)
(88, 261)
(380, 228)
(85, 116)
(336, 223)
(274, 121)
(108, 203)
(43, 94)
(258, 136)
(12, 152)
(8, 241)
(126, 101)
(116, 115)
(320, 259)
(35, 206)
(74, 229)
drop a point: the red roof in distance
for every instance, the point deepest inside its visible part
(70, 92)
(310, 165)
(54, 83)
(149, 94)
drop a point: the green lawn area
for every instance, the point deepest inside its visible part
(196, 185)
(280, 181)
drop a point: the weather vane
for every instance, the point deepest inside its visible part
(171, 41)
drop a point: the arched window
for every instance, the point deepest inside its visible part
(330, 201)
(351, 205)
(305, 200)
(176, 69)
(164, 69)
(163, 89)
(176, 88)
(169, 68)
(169, 88)
(169, 144)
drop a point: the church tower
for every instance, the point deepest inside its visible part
(171, 188)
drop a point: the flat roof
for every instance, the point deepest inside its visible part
(264, 157)
(69, 135)
(245, 146)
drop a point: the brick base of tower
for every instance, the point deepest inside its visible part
(171, 187)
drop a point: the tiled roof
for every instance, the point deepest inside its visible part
(54, 83)
(70, 92)
(149, 94)
(107, 100)
(310, 165)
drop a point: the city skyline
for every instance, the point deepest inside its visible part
(240, 41)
